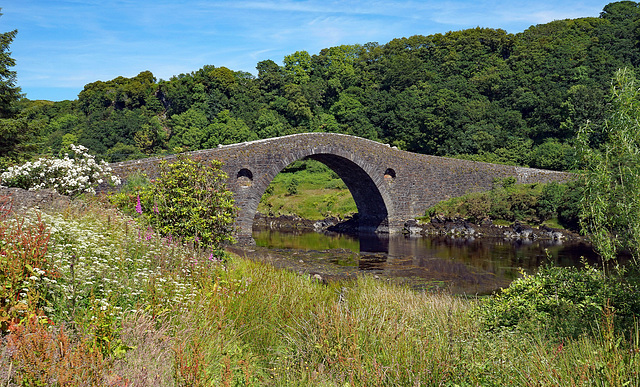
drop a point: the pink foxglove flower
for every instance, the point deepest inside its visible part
(138, 206)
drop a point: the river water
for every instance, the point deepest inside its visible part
(459, 265)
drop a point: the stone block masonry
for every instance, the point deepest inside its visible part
(389, 186)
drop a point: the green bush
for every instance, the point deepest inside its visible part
(570, 208)
(190, 200)
(550, 200)
(292, 186)
(335, 184)
(562, 302)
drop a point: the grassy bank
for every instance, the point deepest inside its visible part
(310, 190)
(552, 204)
(102, 302)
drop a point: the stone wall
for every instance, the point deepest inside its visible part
(17, 199)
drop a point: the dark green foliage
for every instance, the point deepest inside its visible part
(292, 186)
(561, 302)
(554, 155)
(611, 204)
(15, 133)
(9, 92)
(569, 210)
(122, 152)
(550, 200)
(15, 141)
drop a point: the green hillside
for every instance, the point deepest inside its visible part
(480, 93)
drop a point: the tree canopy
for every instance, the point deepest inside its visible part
(481, 94)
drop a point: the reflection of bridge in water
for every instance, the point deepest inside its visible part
(389, 186)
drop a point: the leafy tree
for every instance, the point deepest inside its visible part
(189, 129)
(270, 76)
(621, 35)
(14, 140)
(554, 155)
(298, 66)
(270, 124)
(122, 152)
(119, 93)
(14, 133)
(9, 92)
(611, 204)
(226, 129)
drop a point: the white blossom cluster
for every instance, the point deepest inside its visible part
(119, 266)
(68, 176)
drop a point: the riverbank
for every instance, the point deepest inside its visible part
(430, 274)
(435, 226)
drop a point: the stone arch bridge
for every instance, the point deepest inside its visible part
(389, 186)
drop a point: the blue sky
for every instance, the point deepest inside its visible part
(64, 44)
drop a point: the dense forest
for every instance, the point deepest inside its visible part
(482, 94)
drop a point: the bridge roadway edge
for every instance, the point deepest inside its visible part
(390, 186)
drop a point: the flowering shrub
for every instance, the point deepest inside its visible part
(68, 176)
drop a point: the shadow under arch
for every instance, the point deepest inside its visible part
(372, 210)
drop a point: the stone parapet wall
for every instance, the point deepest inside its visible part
(389, 186)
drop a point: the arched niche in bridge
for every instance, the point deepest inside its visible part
(389, 174)
(373, 214)
(245, 177)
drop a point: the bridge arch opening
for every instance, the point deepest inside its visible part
(365, 197)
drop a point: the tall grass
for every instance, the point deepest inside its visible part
(132, 309)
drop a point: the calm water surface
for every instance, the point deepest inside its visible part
(462, 265)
